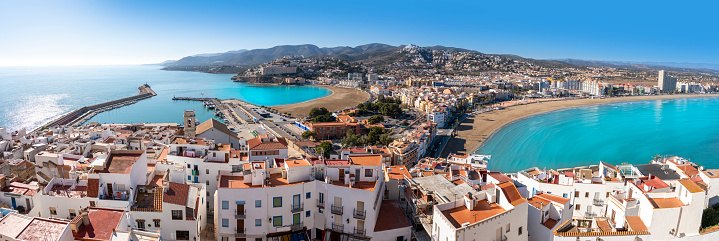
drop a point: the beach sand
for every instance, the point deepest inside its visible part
(340, 99)
(473, 131)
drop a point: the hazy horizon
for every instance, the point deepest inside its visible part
(79, 32)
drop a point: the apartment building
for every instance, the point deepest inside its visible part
(175, 210)
(318, 199)
(497, 213)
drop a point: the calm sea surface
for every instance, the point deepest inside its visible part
(628, 132)
(32, 96)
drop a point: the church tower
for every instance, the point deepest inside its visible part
(189, 123)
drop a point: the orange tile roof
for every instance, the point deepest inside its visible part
(212, 123)
(398, 172)
(553, 198)
(712, 173)
(176, 193)
(296, 162)
(550, 223)
(482, 210)
(666, 202)
(636, 223)
(691, 186)
(258, 144)
(511, 193)
(366, 160)
(93, 187)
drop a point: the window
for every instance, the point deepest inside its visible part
(307, 213)
(176, 214)
(53, 211)
(576, 193)
(225, 204)
(258, 222)
(296, 218)
(321, 199)
(92, 203)
(507, 229)
(258, 203)
(140, 224)
(182, 235)
(225, 222)
(565, 195)
(207, 182)
(157, 223)
(277, 202)
(207, 171)
(307, 195)
(72, 213)
(519, 231)
(368, 172)
(607, 194)
(258, 239)
(578, 207)
(277, 221)
(586, 194)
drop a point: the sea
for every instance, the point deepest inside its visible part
(31, 96)
(617, 133)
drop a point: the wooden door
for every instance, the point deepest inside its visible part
(240, 209)
(342, 175)
(240, 226)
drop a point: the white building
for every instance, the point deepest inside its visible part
(665, 82)
(438, 115)
(176, 210)
(493, 214)
(17, 227)
(265, 147)
(214, 130)
(338, 198)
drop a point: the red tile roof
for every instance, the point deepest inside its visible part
(176, 193)
(500, 177)
(258, 144)
(93, 187)
(390, 216)
(103, 223)
(511, 193)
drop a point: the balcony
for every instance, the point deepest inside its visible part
(320, 204)
(241, 233)
(588, 214)
(598, 202)
(336, 209)
(297, 226)
(359, 214)
(339, 228)
(241, 214)
(360, 232)
(298, 207)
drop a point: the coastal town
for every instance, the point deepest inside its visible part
(391, 146)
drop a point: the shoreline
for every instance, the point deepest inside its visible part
(341, 98)
(474, 131)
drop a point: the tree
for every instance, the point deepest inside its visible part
(318, 112)
(375, 119)
(324, 149)
(309, 135)
(385, 139)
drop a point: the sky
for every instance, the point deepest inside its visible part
(87, 32)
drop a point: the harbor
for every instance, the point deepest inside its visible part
(80, 116)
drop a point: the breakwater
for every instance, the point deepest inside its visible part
(79, 116)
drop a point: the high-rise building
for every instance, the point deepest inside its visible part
(665, 82)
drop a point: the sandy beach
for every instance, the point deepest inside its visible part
(341, 98)
(473, 131)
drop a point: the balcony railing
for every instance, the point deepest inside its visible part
(320, 204)
(338, 227)
(297, 226)
(360, 232)
(359, 214)
(336, 209)
(241, 214)
(598, 202)
(588, 214)
(240, 232)
(298, 207)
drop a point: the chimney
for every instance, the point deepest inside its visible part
(85, 218)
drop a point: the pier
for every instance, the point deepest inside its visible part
(81, 115)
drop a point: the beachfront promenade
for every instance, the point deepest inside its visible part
(81, 115)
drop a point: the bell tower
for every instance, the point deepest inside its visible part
(189, 119)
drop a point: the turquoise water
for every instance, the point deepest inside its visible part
(627, 132)
(33, 95)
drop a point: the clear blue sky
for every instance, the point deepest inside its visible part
(67, 32)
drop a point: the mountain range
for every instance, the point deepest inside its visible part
(237, 60)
